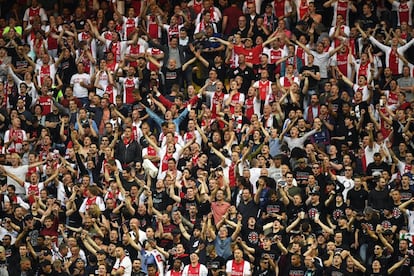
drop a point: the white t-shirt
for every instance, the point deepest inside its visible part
(348, 184)
(78, 90)
(20, 172)
(125, 263)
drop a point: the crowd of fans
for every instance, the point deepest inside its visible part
(223, 137)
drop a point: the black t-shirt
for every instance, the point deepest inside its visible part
(51, 117)
(251, 236)
(313, 83)
(361, 225)
(216, 263)
(357, 199)
(293, 211)
(171, 77)
(292, 270)
(379, 199)
(248, 76)
(369, 272)
(144, 220)
(220, 69)
(131, 252)
(161, 200)
(274, 253)
(336, 212)
(274, 207)
(185, 206)
(302, 175)
(333, 271)
(128, 184)
(406, 267)
(19, 63)
(67, 69)
(398, 128)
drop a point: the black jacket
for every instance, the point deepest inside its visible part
(128, 153)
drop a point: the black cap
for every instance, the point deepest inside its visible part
(197, 226)
(176, 231)
(92, 259)
(101, 251)
(28, 217)
(45, 263)
(314, 192)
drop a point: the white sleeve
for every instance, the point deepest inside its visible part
(241, 99)
(288, 7)
(82, 209)
(331, 31)
(42, 14)
(23, 204)
(247, 269)
(203, 270)
(6, 136)
(61, 194)
(228, 266)
(346, 30)
(340, 178)
(100, 203)
(185, 271)
(26, 15)
(26, 187)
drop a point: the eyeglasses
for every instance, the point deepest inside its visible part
(315, 167)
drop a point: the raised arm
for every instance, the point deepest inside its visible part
(188, 63)
(222, 41)
(152, 143)
(153, 60)
(397, 265)
(333, 52)
(12, 176)
(173, 195)
(344, 78)
(95, 32)
(238, 228)
(404, 206)
(306, 49)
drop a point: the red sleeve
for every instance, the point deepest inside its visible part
(165, 101)
(239, 50)
(258, 50)
(193, 100)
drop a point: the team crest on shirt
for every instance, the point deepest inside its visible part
(253, 237)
